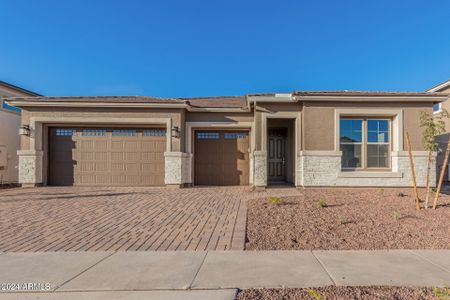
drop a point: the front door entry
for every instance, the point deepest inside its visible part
(277, 154)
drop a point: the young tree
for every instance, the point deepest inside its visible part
(433, 125)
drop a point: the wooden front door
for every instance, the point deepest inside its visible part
(277, 154)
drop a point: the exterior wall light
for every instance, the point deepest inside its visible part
(24, 130)
(176, 131)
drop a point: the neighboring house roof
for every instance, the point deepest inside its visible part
(440, 87)
(17, 88)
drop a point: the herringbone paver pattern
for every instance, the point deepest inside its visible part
(122, 219)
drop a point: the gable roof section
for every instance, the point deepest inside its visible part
(440, 87)
(18, 89)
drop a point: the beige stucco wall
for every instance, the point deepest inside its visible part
(176, 115)
(319, 122)
(9, 142)
(9, 136)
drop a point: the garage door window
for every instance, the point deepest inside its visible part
(124, 132)
(235, 135)
(94, 132)
(207, 135)
(65, 132)
(154, 132)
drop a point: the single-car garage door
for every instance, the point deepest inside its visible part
(106, 156)
(221, 157)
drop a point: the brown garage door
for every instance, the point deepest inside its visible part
(221, 157)
(106, 156)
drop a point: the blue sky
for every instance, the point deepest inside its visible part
(200, 48)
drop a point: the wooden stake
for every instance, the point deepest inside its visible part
(412, 171)
(441, 177)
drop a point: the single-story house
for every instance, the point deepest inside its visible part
(303, 138)
(9, 129)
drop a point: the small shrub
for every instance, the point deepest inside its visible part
(275, 200)
(315, 294)
(401, 194)
(397, 215)
(442, 293)
(322, 203)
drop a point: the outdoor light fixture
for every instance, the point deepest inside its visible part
(175, 131)
(24, 130)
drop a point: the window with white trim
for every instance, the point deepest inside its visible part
(365, 143)
(437, 107)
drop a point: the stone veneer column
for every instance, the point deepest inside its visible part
(260, 176)
(30, 167)
(177, 168)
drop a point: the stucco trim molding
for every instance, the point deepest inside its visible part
(373, 174)
(320, 153)
(37, 122)
(414, 153)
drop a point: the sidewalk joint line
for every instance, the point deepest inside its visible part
(101, 260)
(324, 268)
(428, 260)
(199, 268)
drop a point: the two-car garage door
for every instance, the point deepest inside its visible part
(106, 156)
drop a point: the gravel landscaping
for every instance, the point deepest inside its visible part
(345, 219)
(341, 293)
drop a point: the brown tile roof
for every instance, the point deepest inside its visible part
(364, 93)
(217, 102)
(101, 99)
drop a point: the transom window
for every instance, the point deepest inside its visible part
(207, 135)
(235, 135)
(65, 132)
(94, 132)
(365, 143)
(124, 132)
(154, 132)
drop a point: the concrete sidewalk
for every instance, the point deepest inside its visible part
(214, 274)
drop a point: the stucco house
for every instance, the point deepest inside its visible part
(9, 132)
(302, 138)
(443, 88)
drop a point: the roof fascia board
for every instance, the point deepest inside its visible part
(283, 97)
(440, 86)
(434, 98)
(216, 109)
(87, 104)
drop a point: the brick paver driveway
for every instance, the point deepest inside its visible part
(90, 219)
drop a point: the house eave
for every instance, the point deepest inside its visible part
(433, 99)
(93, 104)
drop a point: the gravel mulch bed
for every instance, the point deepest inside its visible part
(355, 218)
(341, 293)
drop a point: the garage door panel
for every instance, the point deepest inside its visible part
(221, 157)
(102, 156)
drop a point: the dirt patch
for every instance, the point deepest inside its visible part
(335, 293)
(344, 219)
